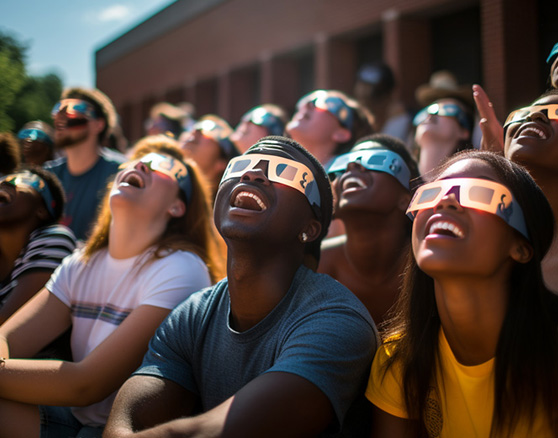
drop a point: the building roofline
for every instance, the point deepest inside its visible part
(153, 27)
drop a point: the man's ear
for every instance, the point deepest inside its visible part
(522, 251)
(341, 135)
(312, 230)
(42, 213)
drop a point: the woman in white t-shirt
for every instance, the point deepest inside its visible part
(150, 249)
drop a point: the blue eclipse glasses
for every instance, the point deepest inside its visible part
(75, 108)
(34, 134)
(446, 110)
(326, 101)
(264, 117)
(379, 160)
(34, 181)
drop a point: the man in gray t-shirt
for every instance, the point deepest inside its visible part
(272, 350)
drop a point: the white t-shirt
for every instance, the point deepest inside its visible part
(103, 291)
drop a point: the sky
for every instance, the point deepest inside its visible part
(62, 36)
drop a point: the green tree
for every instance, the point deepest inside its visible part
(12, 77)
(22, 97)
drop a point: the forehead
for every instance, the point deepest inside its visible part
(470, 168)
(451, 101)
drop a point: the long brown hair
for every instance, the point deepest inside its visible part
(192, 232)
(526, 360)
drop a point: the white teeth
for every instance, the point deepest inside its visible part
(238, 200)
(446, 226)
(538, 132)
(352, 182)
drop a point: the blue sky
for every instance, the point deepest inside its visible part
(63, 36)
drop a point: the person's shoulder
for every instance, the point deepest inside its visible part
(112, 157)
(182, 256)
(204, 300)
(54, 231)
(56, 164)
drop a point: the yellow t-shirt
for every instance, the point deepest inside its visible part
(460, 406)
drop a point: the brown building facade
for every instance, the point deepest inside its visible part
(225, 56)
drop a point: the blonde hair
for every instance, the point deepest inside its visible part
(192, 232)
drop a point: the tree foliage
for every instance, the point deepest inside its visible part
(22, 97)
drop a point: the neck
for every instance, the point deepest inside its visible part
(472, 313)
(322, 151)
(82, 157)
(12, 241)
(384, 236)
(129, 237)
(432, 154)
(257, 281)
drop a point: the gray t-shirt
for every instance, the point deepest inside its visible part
(319, 331)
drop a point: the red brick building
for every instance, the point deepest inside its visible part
(226, 56)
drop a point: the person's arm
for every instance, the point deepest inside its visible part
(28, 284)
(275, 404)
(41, 320)
(385, 425)
(492, 130)
(53, 382)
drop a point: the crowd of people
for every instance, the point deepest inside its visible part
(351, 270)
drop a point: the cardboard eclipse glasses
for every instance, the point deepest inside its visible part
(280, 170)
(522, 114)
(169, 166)
(479, 194)
(443, 109)
(379, 160)
(34, 181)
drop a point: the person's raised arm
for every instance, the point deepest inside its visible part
(492, 130)
(275, 404)
(81, 383)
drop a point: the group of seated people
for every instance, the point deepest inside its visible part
(289, 278)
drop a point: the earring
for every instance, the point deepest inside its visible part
(303, 237)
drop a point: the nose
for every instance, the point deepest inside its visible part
(538, 116)
(355, 165)
(448, 202)
(142, 167)
(255, 175)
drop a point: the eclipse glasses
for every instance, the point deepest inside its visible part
(479, 194)
(34, 181)
(379, 160)
(280, 170)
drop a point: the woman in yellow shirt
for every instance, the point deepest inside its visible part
(472, 350)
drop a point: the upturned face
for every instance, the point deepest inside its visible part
(533, 139)
(253, 208)
(139, 188)
(452, 240)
